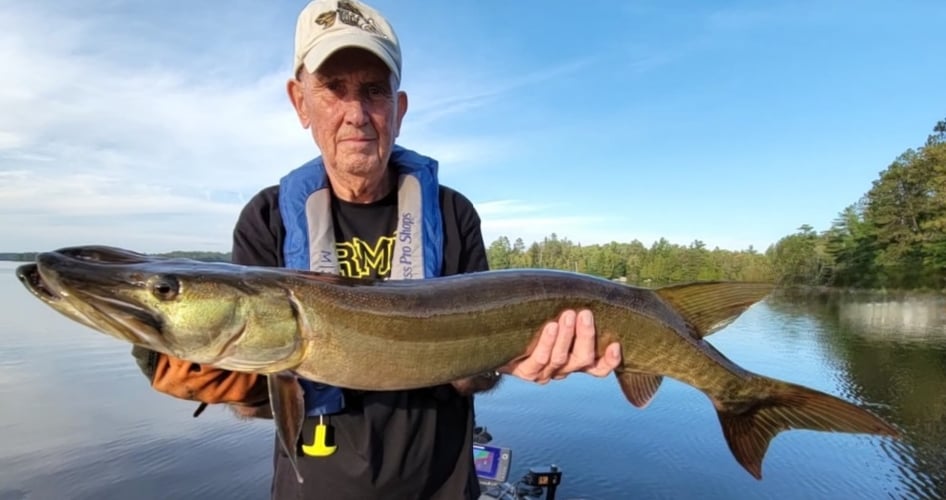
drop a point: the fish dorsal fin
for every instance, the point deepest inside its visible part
(710, 306)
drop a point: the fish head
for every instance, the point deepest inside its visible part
(29, 276)
(216, 314)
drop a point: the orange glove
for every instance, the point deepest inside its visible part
(195, 382)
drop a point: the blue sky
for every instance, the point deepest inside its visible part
(148, 125)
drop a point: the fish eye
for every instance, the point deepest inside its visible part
(165, 287)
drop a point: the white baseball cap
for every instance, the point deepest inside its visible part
(325, 26)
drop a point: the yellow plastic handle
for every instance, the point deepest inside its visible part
(319, 448)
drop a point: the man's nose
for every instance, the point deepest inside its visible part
(356, 112)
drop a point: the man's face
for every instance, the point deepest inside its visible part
(353, 109)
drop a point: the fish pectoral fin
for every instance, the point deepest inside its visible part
(288, 407)
(639, 388)
(750, 428)
(711, 306)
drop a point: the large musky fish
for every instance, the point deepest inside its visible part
(385, 335)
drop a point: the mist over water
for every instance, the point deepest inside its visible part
(78, 420)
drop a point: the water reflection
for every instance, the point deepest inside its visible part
(899, 319)
(893, 350)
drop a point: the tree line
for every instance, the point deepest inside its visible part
(658, 264)
(893, 237)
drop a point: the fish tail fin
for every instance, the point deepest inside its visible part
(750, 426)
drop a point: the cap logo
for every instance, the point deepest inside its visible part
(349, 14)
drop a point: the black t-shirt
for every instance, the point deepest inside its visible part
(413, 444)
(364, 236)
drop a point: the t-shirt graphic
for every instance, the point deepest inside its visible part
(364, 237)
(360, 259)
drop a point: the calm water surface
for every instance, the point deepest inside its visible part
(78, 420)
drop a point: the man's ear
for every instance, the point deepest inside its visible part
(297, 97)
(401, 110)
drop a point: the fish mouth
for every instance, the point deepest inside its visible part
(85, 284)
(29, 276)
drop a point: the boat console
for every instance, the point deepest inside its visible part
(492, 468)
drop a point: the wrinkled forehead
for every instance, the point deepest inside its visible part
(354, 63)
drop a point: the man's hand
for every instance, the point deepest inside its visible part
(565, 347)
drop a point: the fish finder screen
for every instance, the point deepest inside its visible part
(491, 462)
(486, 459)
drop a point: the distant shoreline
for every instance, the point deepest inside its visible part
(204, 256)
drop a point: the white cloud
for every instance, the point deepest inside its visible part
(533, 222)
(10, 140)
(118, 129)
(470, 89)
(90, 130)
(89, 194)
(75, 117)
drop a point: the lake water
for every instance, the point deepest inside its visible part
(78, 420)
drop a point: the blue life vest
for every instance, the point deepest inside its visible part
(305, 205)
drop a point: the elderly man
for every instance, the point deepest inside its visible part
(369, 208)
